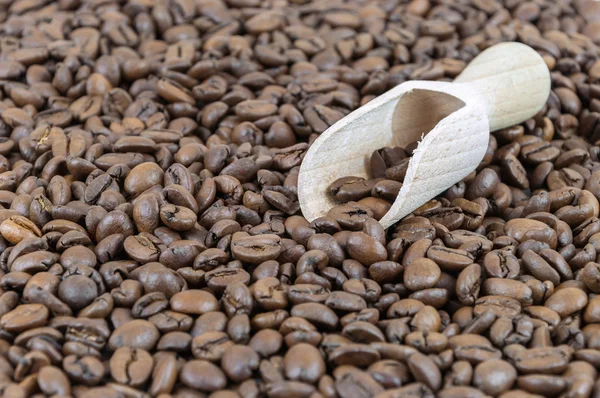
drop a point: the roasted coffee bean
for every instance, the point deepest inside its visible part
(24, 317)
(450, 260)
(501, 264)
(178, 218)
(303, 362)
(524, 229)
(494, 376)
(194, 302)
(135, 334)
(203, 375)
(256, 249)
(365, 249)
(468, 284)
(131, 366)
(542, 360)
(350, 189)
(567, 301)
(16, 228)
(84, 369)
(239, 362)
(421, 274)
(508, 288)
(53, 381)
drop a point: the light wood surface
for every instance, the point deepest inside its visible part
(503, 86)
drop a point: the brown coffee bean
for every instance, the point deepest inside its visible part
(53, 381)
(494, 376)
(523, 229)
(146, 213)
(542, 360)
(501, 264)
(194, 302)
(178, 218)
(365, 249)
(86, 369)
(425, 370)
(542, 384)
(16, 228)
(421, 274)
(203, 375)
(24, 317)
(239, 362)
(256, 249)
(316, 313)
(508, 288)
(468, 284)
(303, 362)
(134, 334)
(449, 259)
(131, 366)
(483, 185)
(348, 189)
(155, 277)
(142, 177)
(567, 301)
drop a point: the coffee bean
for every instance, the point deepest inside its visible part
(468, 284)
(203, 375)
(239, 362)
(131, 366)
(256, 249)
(24, 317)
(542, 384)
(523, 229)
(385, 271)
(85, 369)
(494, 376)
(53, 381)
(547, 360)
(421, 274)
(177, 218)
(425, 370)
(350, 189)
(473, 348)
(567, 301)
(316, 313)
(449, 259)
(365, 249)
(194, 302)
(142, 177)
(304, 362)
(164, 375)
(16, 228)
(77, 291)
(508, 288)
(135, 334)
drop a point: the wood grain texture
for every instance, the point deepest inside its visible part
(505, 85)
(512, 78)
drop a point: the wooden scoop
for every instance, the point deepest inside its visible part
(503, 86)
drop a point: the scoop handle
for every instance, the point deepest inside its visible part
(512, 79)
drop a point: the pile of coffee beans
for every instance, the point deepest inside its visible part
(151, 241)
(387, 167)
